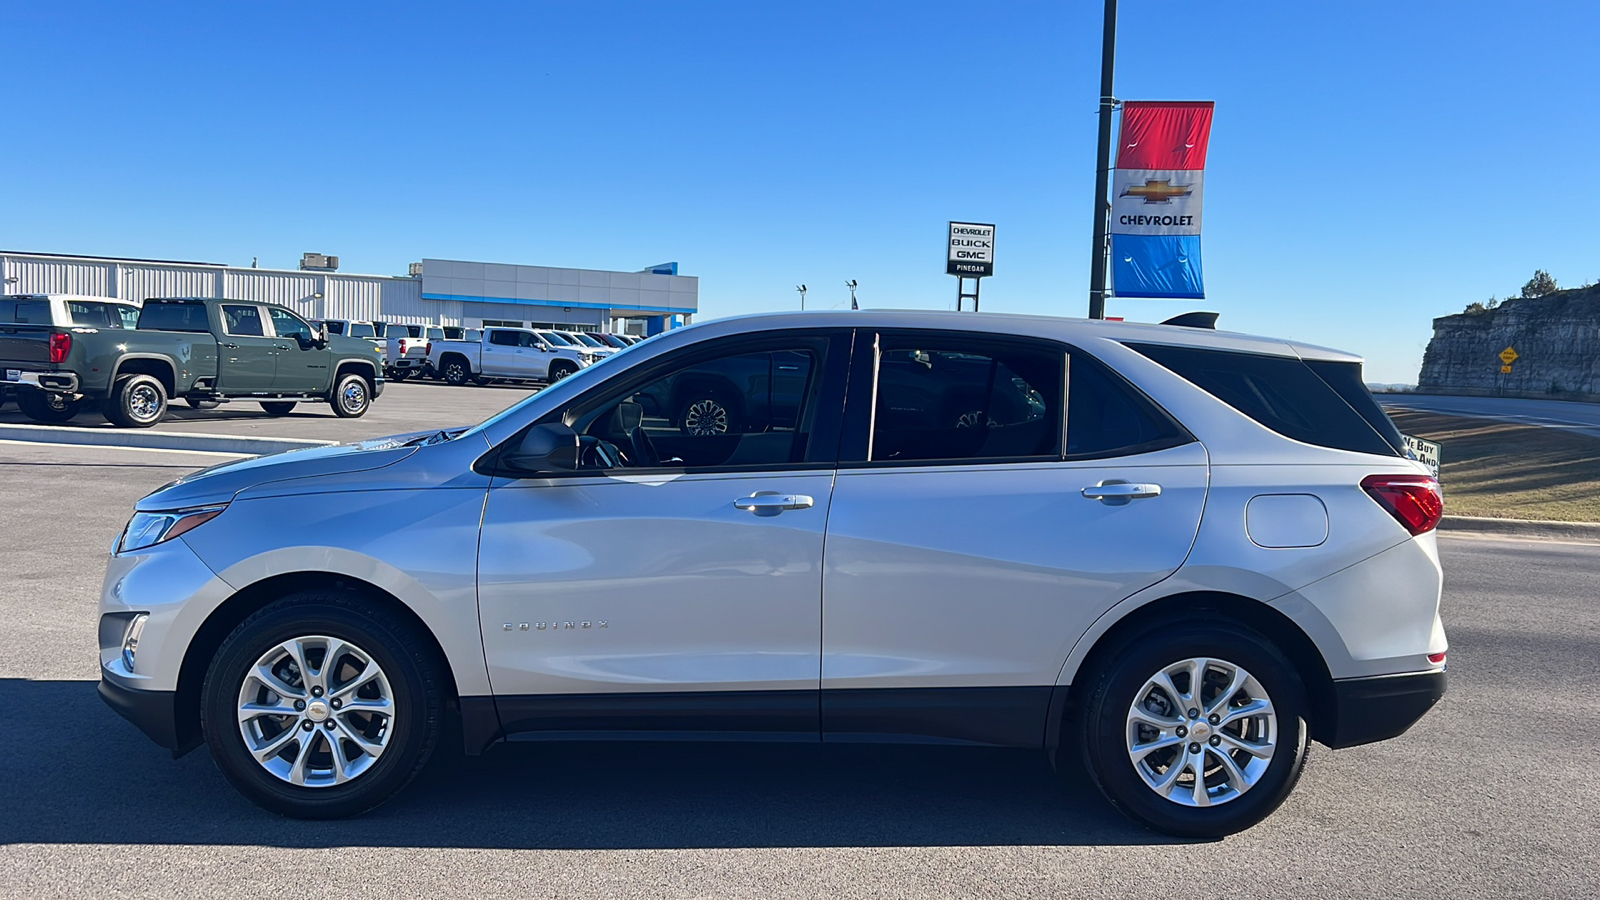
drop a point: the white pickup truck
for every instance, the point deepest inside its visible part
(506, 354)
(407, 352)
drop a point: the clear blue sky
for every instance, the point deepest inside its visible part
(1373, 164)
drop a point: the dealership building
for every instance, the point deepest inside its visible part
(436, 291)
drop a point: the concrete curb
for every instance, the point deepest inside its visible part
(1524, 528)
(154, 440)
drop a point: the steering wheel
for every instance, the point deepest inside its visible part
(644, 449)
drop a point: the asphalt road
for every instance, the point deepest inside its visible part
(404, 407)
(1583, 418)
(1492, 795)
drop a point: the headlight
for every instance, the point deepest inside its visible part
(146, 529)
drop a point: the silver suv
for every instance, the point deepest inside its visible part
(1176, 554)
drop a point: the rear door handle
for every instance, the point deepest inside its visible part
(230, 346)
(1116, 493)
(770, 503)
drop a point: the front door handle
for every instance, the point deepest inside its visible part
(230, 346)
(1116, 493)
(770, 503)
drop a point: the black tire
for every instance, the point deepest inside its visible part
(400, 375)
(417, 695)
(201, 404)
(42, 406)
(456, 371)
(352, 396)
(1103, 727)
(278, 407)
(708, 413)
(136, 401)
(560, 369)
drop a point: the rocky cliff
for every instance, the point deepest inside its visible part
(1557, 339)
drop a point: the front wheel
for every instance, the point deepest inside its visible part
(136, 401)
(42, 406)
(350, 396)
(322, 705)
(278, 407)
(561, 369)
(1195, 729)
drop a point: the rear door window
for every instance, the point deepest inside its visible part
(1107, 416)
(243, 321)
(958, 398)
(174, 317)
(334, 327)
(1287, 395)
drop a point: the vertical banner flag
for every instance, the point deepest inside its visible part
(1156, 191)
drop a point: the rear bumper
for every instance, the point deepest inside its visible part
(1376, 709)
(408, 362)
(55, 382)
(154, 712)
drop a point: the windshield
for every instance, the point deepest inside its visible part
(555, 337)
(586, 339)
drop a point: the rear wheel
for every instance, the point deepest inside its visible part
(136, 401)
(42, 406)
(350, 396)
(278, 407)
(400, 375)
(322, 705)
(1196, 729)
(455, 371)
(706, 414)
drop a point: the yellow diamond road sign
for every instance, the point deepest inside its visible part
(1508, 356)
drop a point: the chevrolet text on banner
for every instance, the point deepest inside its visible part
(1156, 191)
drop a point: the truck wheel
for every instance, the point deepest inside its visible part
(136, 401)
(351, 397)
(278, 407)
(456, 372)
(322, 705)
(561, 369)
(706, 414)
(42, 406)
(1196, 728)
(400, 375)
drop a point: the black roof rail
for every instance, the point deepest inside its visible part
(1194, 320)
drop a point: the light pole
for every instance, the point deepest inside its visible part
(851, 284)
(802, 289)
(1102, 169)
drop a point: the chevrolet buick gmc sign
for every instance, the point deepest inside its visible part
(971, 250)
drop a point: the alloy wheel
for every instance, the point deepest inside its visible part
(704, 418)
(143, 402)
(1201, 732)
(354, 396)
(316, 711)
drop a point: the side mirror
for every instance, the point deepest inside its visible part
(551, 447)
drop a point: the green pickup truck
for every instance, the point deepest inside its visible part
(199, 349)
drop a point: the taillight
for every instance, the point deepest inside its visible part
(1413, 500)
(60, 346)
(1436, 658)
(402, 346)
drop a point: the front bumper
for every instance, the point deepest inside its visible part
(1376, 709)
(377, 387)
(154, 712)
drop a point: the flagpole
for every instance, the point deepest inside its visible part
(1102, 211)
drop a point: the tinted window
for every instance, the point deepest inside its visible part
(242, 320)
(503, 338)
(954, 400)
(555, 338)
(1280, 392)
(287, 324)
(25, 312)
(1345, 379)
(333, 327)
(88, 314)
(1106, 416)
(174, 317)
(746, 409)
(378, 329)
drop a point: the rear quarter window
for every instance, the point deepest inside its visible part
(1288, 395)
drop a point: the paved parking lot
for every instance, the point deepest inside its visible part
(1492, 795)
(406, 406)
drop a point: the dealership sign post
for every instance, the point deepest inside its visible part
(971, 255)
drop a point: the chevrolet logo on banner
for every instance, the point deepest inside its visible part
(1158, 190)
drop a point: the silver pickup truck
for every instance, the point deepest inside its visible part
(507, 354)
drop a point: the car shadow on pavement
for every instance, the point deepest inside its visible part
(76, 773)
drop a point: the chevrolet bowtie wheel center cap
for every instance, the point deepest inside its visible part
(317, 710)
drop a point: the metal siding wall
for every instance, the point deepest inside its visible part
(291, 289)
(49, 276)
(144, 281)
